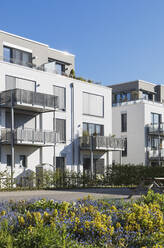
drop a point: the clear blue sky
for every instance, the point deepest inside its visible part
(113, 40)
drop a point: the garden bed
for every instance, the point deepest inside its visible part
(84, 223)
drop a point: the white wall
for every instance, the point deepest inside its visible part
(135, 132)
(47, 81)
(138, 117)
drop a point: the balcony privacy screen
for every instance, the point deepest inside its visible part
(19, 83)
(93, 104)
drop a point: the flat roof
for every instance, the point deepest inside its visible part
(134, 81)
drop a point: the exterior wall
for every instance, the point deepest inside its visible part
(138, 118)
(135, 132)
(45, 82)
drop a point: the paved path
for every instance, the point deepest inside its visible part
(69, 195)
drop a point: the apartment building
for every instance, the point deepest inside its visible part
(138, 116)
(47, 117)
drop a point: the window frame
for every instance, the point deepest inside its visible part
(99, 116)
(123, 128)
(8, 160)
(60, 119)
(95, 125)
(12, 59)
(125, 151)
(24, 163)
(64, 88)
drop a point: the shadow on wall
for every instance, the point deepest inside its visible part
(25, 179)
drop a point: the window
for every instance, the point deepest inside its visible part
(7, 54)
(60, 163)
(156, 143)
(17, 56)
(93, 129)
(22, 160)
(93, 104)
(124, 122)
(124, 152)
(61, 93)
(8, 160)
(61, 130)
(155, 119)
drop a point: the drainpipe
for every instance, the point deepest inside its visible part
(72, 124)
(12, 140)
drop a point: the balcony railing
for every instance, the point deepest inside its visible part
(156, 129)
(156, 154)
(101, 143)
(28, 137)
(28, 99)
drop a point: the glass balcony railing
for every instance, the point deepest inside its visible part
(156, 154)
(28, 137)
(28, 99)
(101, 143)
(156, 129)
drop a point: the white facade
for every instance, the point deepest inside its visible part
(140, 132)
(81, 103)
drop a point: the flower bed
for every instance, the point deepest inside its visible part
(85, 223)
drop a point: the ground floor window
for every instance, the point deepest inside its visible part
(8, 159)
(98, 166)
(60, 163)
(124, 152)
(23, 161)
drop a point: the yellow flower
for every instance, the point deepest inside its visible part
(21, 220)
(118, 225)
(3, 212)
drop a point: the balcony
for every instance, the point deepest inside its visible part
(156, 129)
(156, 155)
(28, 100)
(28, 137)
(101, 143)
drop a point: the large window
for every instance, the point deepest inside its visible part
(124, 122)
(61, 130)
(17, 56)
(61, 93)
(93, 129)
(19, 83)
(93, 104)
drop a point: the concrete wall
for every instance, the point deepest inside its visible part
(138, 117)
(46, 81)
(135, 132)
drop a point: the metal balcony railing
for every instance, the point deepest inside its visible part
(156, 129)
(156, 154)
(28, 136)
(101, 143)
(28, 98)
